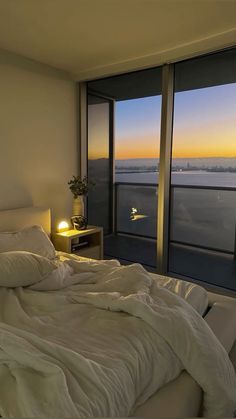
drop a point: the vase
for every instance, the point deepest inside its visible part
(78, 205)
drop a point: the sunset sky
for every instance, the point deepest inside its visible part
(204, 125)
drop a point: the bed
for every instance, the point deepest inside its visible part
(181, 396)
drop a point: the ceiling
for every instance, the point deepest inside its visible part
(91, 38)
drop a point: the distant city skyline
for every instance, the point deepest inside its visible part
(204, 125)
(213, 164)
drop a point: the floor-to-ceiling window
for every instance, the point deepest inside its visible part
(136, 138)
(136, 160)
(202, 193)
(203, 184)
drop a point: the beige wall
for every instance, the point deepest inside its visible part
(38, 152)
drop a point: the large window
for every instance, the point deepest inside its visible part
(136, 139)
(198, 205)
(137, 143)
(203, 184)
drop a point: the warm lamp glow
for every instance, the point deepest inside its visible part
(63, 226)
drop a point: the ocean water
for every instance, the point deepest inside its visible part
(201, 217)
(194, 178)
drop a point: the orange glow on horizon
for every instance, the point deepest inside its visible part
(98, 154)
(137, 148)
(178, 152)
(176, 155)
(138, 154)
(192, 146)
(183, 153)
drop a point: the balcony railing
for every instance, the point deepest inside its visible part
(202, 217)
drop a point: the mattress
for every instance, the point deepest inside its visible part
(180, 398)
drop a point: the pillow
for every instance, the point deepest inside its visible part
(20, 269)
(31, 239)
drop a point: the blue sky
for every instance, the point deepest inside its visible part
(204, 124)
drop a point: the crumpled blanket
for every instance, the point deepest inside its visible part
(97, 339)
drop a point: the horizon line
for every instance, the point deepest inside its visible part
(153, 158)
(188, 157)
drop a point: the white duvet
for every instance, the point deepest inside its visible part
(97, 339)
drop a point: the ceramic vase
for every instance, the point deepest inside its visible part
(78, 205)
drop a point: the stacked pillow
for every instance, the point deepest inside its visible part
(21, 269)
(30, 239)
(26, 257)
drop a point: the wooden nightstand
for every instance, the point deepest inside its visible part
(87, 243)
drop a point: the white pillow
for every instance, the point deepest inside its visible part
(20, 269)
(31, 239)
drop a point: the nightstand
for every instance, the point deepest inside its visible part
(87, 243)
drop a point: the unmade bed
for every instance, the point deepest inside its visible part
(110, 313)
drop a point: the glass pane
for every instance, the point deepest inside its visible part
(137, 210)
(137, 143)
(203, 182)
(99, 197)
(137, 114)
(204, 217)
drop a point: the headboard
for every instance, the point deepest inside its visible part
(17, 219)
